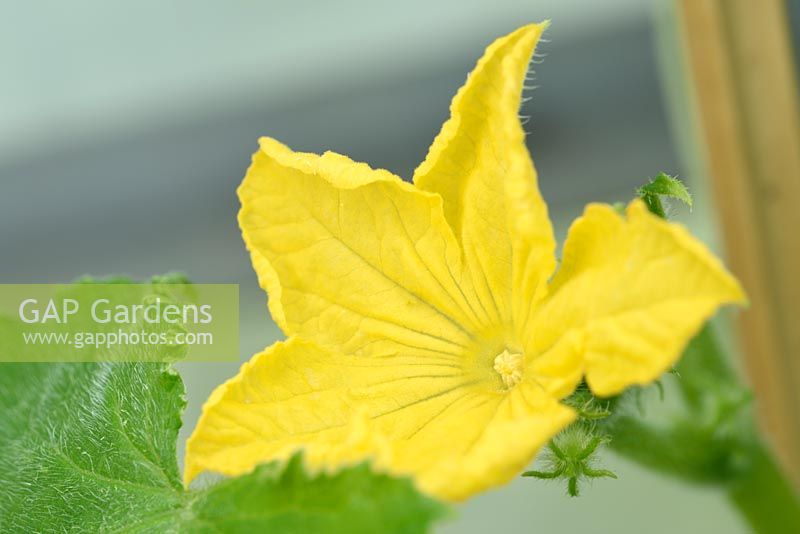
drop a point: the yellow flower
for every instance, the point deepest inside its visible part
(434, 307)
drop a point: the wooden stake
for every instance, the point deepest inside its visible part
(742, 72)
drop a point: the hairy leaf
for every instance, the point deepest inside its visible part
(91, 448)
(663, 185)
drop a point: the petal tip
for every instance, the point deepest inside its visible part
(270, 144)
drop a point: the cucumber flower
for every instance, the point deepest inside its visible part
(436, 311)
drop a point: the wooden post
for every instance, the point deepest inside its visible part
(745, 91)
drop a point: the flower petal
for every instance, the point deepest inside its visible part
(296, 394)
(489, 440)
(634, 290)
(480, 166)
(354, 258)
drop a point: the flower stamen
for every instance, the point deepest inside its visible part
(509, 366)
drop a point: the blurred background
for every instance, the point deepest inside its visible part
(125, 130)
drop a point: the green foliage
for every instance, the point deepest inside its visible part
(91, 447)
(353, 500)
(663, 185)
(171, 288)
(88, 446)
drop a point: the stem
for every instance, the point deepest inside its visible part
(711, 439)
(764, 496)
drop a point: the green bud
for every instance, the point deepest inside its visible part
(663, 185)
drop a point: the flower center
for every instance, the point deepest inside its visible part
(509, 366)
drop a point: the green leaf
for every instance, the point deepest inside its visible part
(91, 448)
(663, 185)
(352, 500)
